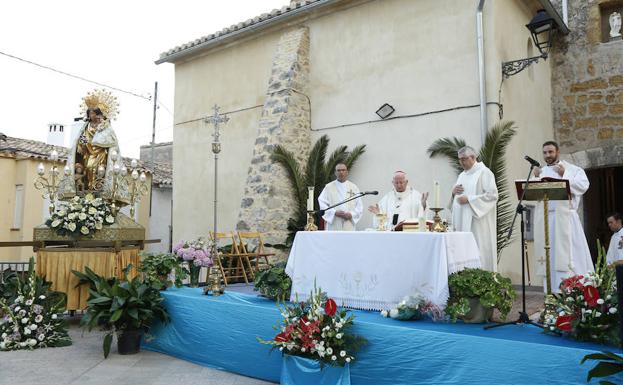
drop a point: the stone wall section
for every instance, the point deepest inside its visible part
(587, 83)
(267, 201)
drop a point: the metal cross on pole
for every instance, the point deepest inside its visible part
(215, 120)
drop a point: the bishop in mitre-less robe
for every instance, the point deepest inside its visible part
(407, 204)
(569, 253)
(333, 193)
(478, 215)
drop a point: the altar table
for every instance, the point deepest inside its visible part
(376, 270)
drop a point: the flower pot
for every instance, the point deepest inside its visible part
(129, 342)
(477, 313)
(303, 371)
(194, 274)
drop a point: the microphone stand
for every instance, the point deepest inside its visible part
(322, 211)
(523, 315)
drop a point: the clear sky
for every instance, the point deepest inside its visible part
(113, 42)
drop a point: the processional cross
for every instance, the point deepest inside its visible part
(215, 120)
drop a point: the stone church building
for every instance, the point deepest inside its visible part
(317, 67)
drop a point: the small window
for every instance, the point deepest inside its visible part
(611, 20)
(19, 206)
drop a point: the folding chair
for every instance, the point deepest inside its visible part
(231, 263)
(256, 256)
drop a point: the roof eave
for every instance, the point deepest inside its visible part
(549, 8)
(242, 32)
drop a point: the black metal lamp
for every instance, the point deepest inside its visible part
(541, 27)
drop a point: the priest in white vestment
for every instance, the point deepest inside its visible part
(404, 201)
(615, 249)
(474, 206)
(345, 216)
(569, 253)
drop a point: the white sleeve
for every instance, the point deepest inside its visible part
(323, 203)
(486, 200)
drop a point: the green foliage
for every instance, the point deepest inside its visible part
(609, 364)
(156, 268)
(317, 172)
(120, 305)
(493, 155)
(492, 289)
(274, 283)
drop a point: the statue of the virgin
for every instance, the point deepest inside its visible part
(95, 152)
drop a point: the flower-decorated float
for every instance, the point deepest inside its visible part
(86, 227)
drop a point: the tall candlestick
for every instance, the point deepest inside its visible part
(310, 198)
(436, 190)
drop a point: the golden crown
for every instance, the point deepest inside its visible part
(102, 99)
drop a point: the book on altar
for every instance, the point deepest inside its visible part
(412, 224)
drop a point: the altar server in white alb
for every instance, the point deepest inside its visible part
(343, 217)
(569, 253)
(474, 199)
(405, 201)
(615, 249)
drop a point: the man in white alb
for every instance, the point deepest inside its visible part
(615, 250)
(474, 200)
(569, 253)
(405, 201)
(345, 216)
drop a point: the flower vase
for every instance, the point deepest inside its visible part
(194, 274)
(301, 371)
(477, 313)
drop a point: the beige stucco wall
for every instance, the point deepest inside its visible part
(24, 172)
(419, 56)
(526, 98)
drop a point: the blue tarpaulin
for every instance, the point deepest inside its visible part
(221, 332)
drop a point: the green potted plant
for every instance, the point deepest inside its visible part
(123, 307)
(474, 293)
(156, 268)
(274, 283)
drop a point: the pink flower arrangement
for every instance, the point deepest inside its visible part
(197, 252)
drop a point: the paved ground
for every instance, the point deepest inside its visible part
(84, 363)
(534, 304)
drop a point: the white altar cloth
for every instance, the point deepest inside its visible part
(375, 270)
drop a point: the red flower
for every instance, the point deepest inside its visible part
(591, 295)
(572, 283)
(282, 337)
(564, 322)
(330, 307)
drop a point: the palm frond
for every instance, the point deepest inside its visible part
(314, 169)
(448, 147)
(354, 155)
(287, 160)
(493, 155)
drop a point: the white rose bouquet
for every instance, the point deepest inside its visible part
(81, 216)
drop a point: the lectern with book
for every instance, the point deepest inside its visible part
(545, 189)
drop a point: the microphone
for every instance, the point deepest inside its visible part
(370, 193)
(532, 161)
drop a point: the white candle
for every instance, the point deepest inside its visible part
(310, 199)
(436, 191)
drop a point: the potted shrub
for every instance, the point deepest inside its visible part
(157, 267)
(474, 293)
(123, 307)
(274, 283)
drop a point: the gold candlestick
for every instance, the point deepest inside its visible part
(310, 226)
(438, 226)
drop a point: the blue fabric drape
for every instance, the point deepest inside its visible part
(304, 371)
(221, 332)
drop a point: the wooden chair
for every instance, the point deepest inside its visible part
(231, 263)
(257, 257)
